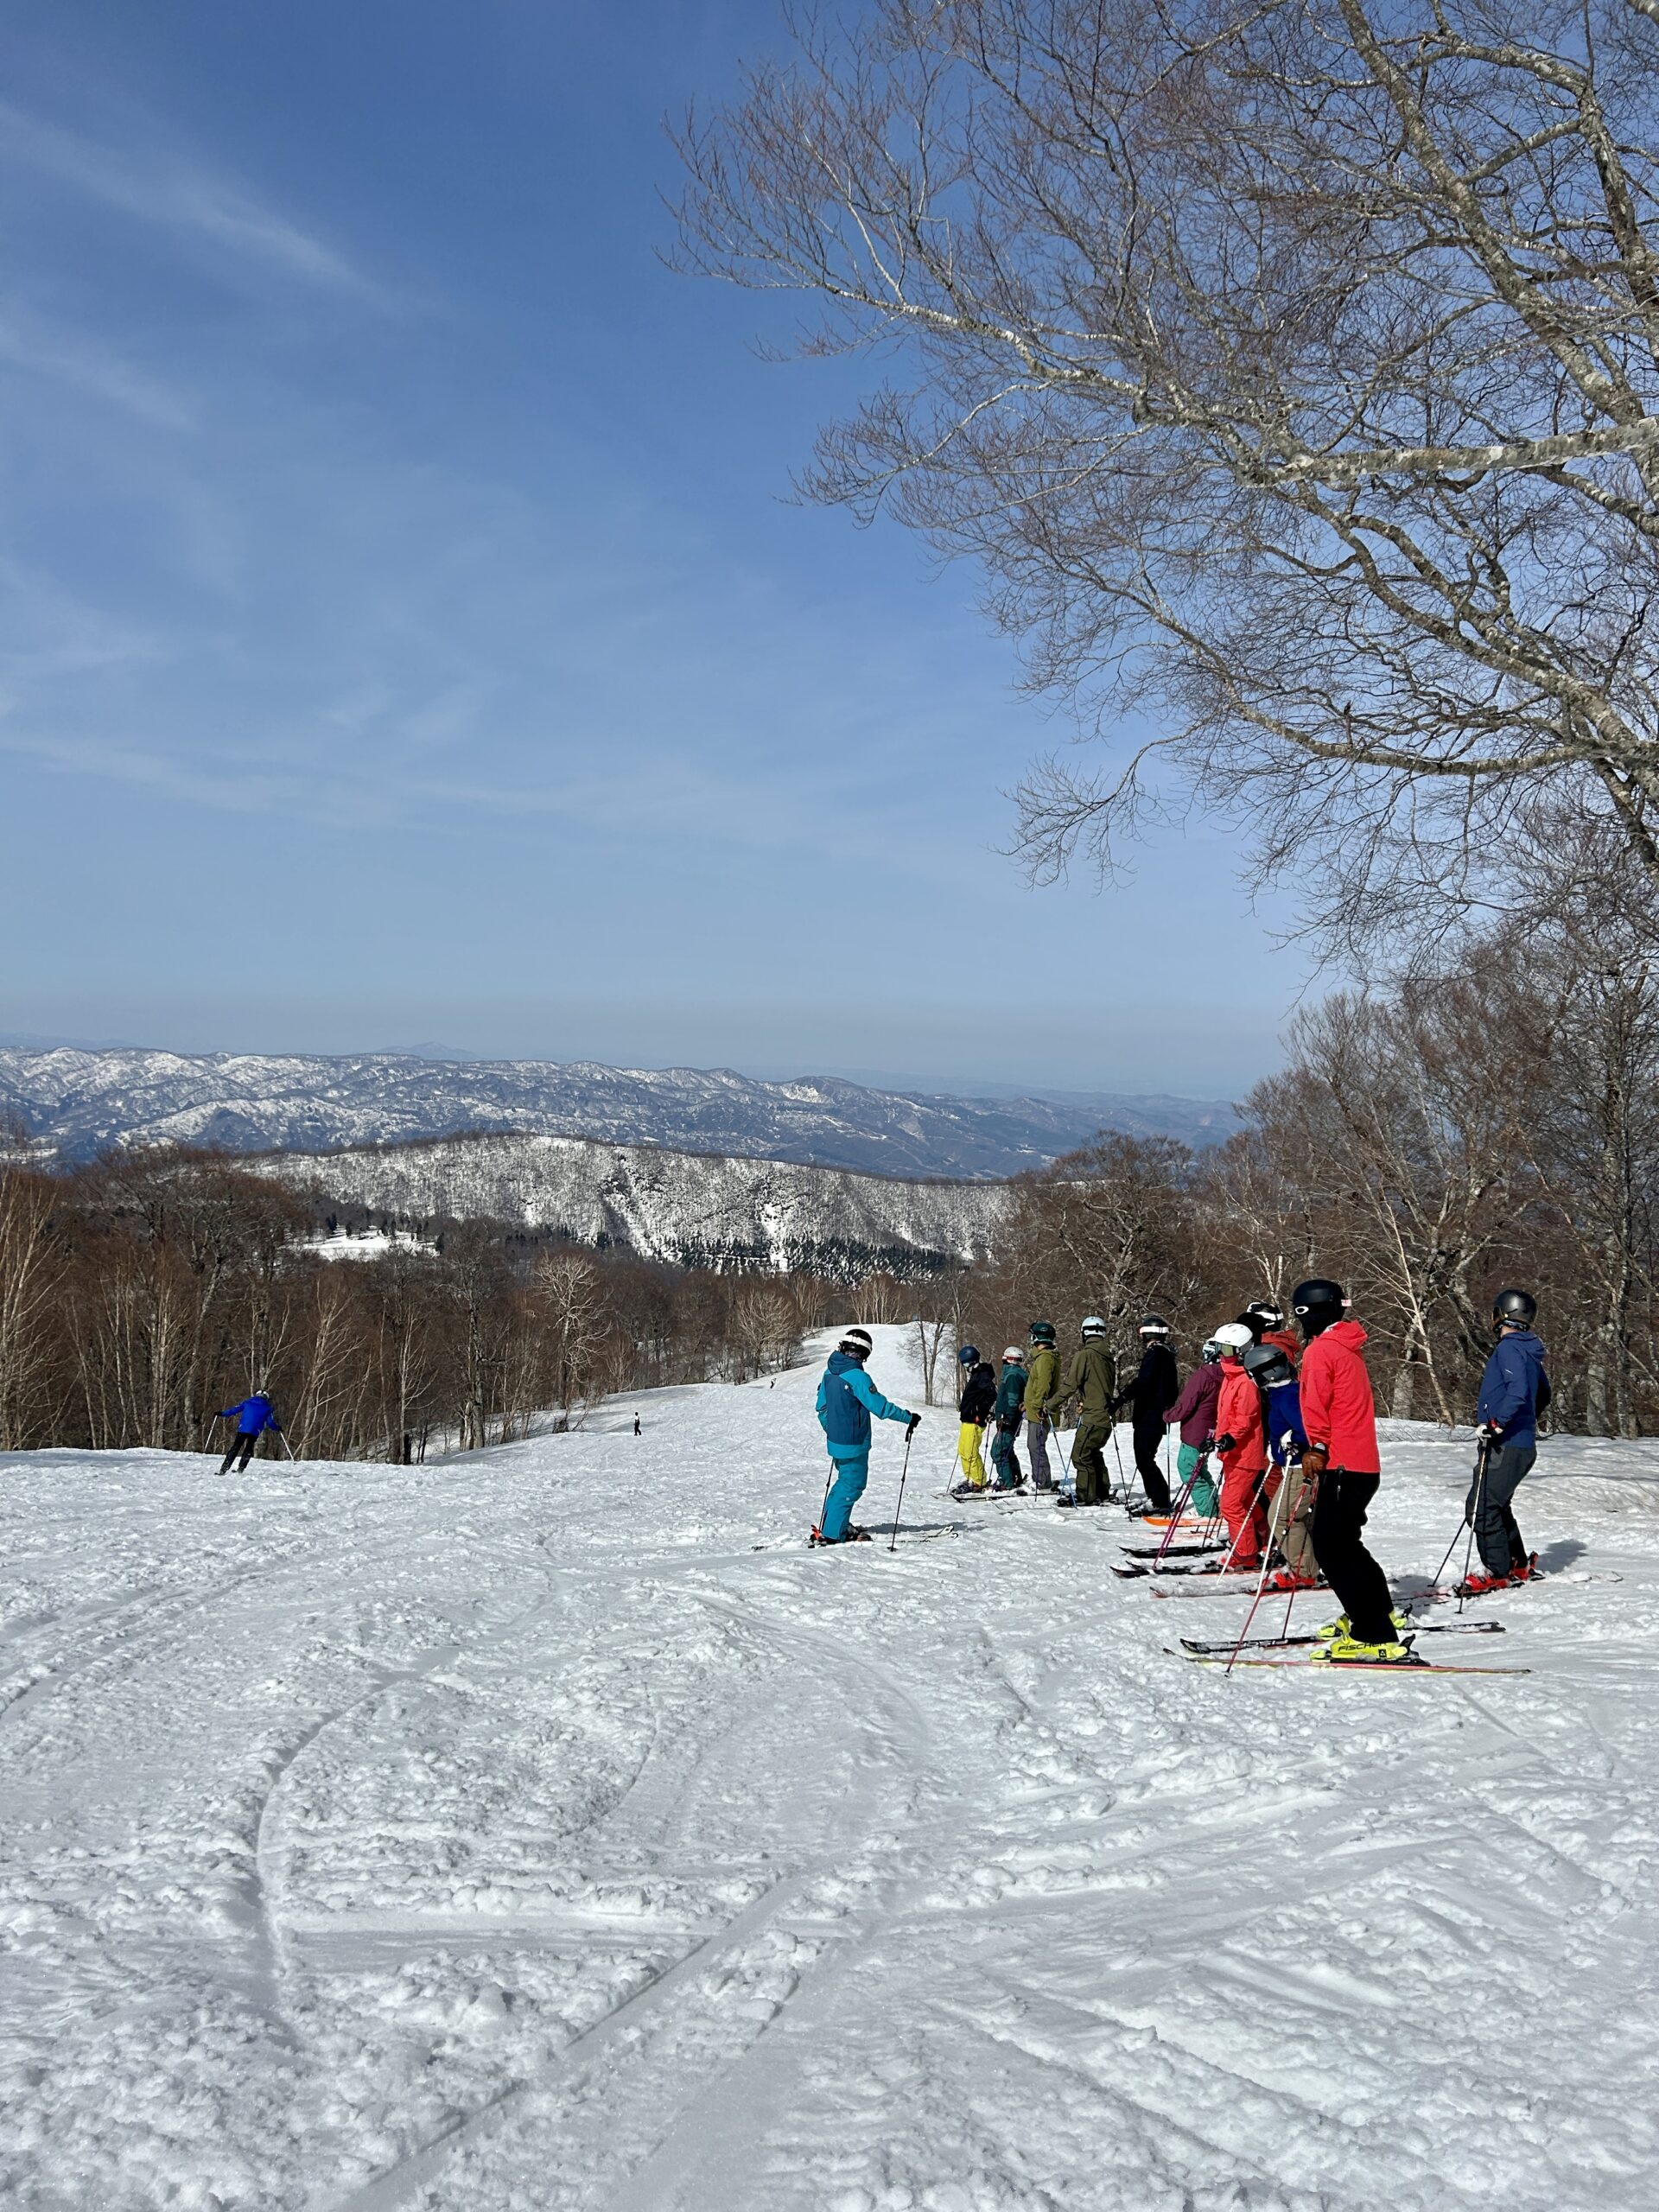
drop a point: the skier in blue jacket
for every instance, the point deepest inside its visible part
(1513, 1391)
(252, 1418)
(847, 1398)
(1291, 1495)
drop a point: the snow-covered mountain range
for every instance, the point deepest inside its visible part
(692, 1208)
(82, 1101)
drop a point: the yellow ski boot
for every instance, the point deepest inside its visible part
(1348, 1651)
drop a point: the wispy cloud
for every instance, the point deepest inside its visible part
(26, 342)
(162, 188)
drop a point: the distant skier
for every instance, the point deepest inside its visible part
(1092, 1381)
(1010, 1402)
(1042, 1401)
(973, 1409)
(1339, 1415)
(1194, 1414)
(1513, 1390)
(637, 1429)
(252, 1418)
(1287, 1490)
(847, 1398)
(1242, 1447)
(1153, 1389)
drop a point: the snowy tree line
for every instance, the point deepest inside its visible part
(140, 1294)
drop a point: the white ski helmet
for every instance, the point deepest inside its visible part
(1012, 1356)
(1093, 1326)
(1234, 1337)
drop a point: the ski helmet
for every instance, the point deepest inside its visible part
(1093, 1326)
(1012, 1356)
(1234, 1337)
(1041, 1333)
(1211, 1353)
(857, 1343)
(1153, 1325)
(1318, 1302)
(1266, 1310)
(968, 1356)
(1515, 1309)
(1268, 1366)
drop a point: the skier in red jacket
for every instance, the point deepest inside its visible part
(1241, 1444)
(1340, 1418)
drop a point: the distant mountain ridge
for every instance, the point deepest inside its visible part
(695, 1209)
(82, 1101)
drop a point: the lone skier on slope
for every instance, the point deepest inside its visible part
(1339, 1415)
(973, 1409)
(847, 1398)
(1042, 1401)
(1092, 1381)
(1010, 1400)
(1154, 1388)
(252, 1418)
(1513, 1391)
(1242, 1447)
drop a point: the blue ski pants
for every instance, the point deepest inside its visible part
(852, 1472)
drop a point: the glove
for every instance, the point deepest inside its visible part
(1316, 1459)
(1226, 1444)
(912, 1424)
(1488, 1432)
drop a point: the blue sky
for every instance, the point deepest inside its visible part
(405, 633)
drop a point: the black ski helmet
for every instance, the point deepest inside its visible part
(1262, 1314)
(1041, 1333)
(1318, 1302)
(1268, 1364)
(857, 1343)
(968, 1356)
(1153, 1325)
(1515, 1309)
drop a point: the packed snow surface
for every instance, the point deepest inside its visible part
(549, 1828)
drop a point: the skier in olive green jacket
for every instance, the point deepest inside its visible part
(1042, 1401)
(1092, 1380)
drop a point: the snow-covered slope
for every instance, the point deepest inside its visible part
(548, 1830)
(666, 1205)
(84, 1100)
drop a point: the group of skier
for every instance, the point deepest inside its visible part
(1288, 1415)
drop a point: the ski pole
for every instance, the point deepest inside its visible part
(1117, 1447)
(1260, 1585)
(1470, 1517)
(1469, 1553)
(898, 1508)
(286, 1446)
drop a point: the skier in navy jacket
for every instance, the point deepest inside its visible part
(252, 1418)
(1513, 1391)
(847, 1398)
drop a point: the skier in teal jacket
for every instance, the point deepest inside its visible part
(847, 1398)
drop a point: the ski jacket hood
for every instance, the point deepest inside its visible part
(1010, 1397)
(1042, 1383)
(1288, 1343)
(253, 1416)
(847, 1398)
(979, 1393)
(1195, 1409)
(1337, 1408)
(1238, 1414)
(1514, 1389)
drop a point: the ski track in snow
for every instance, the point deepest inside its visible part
(546, 1830)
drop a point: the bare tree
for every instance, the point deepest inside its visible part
(1293, 368)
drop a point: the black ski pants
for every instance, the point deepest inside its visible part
(239, 1453)
(1491, 1507)
(1147, 1442)
(1362, 1587)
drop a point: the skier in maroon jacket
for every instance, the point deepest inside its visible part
(1195, 1412)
